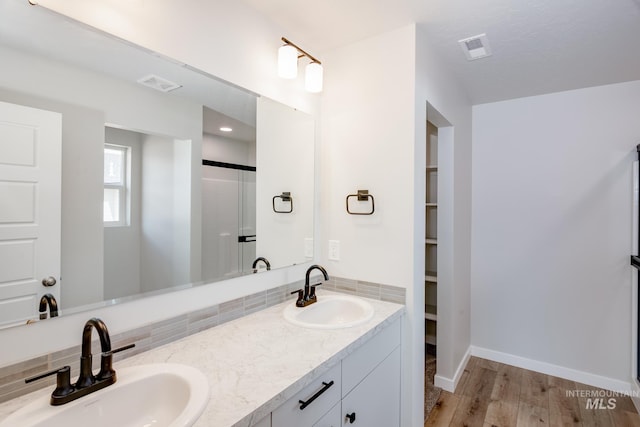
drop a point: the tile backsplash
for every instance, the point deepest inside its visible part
(154, 335)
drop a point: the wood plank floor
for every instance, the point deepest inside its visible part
(491, 394)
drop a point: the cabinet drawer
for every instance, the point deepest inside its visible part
(358, 365)
(289, 413)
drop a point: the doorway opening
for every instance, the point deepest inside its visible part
(438, 250)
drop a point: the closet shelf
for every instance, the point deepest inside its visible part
(430, 312)
(431, 239)
(430, 339)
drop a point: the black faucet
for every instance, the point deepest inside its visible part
(86, 378)
(263, 259)
(87, 383)
(48, 299)
(308, 295)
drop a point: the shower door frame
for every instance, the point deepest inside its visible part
(635, 262)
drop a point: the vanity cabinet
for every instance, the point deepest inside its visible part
(265, 422)
(365, 383)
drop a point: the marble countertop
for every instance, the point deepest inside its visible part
(255, 363)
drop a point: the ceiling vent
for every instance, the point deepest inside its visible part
(158, 83)
(475, 47)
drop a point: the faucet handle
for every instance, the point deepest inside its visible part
(63, 380)
(313, 290)
(47, 374)
(118, 350)
(300, 293)
(106, 362)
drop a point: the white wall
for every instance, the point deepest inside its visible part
(374, 112)
(552, 233)
(368, 143)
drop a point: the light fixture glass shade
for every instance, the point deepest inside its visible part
(313, 77)
(287, 62)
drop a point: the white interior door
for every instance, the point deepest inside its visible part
(30, 174)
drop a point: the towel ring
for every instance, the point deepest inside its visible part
(285, 197)
(362, 196)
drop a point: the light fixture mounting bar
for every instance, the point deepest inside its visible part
(303, 52)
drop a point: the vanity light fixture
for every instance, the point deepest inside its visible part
(287, 62)
(313, 77)
(288, 55)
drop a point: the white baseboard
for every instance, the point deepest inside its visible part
(554, 370)
(450, 384)
(635, 395)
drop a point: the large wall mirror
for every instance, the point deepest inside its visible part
(163, 177)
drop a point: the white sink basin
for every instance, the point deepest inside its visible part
(330, 312)
(154, 395)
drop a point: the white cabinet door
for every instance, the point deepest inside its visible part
(375, 402)
(357, 365)
(332, 418)
(30, 176)
(265, 422)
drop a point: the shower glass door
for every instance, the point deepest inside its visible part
(228, 221)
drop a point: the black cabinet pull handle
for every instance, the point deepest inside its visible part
(325, 387)
(351, 417)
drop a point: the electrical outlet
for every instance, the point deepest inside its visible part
(334, 250)
(308, 247)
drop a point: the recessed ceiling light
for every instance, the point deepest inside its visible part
(226, 129)
(475, 47)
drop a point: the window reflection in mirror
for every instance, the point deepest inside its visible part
(116, 170)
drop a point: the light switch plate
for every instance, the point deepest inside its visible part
(334, 250)
(308, 247)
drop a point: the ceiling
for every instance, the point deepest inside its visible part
(539, 46)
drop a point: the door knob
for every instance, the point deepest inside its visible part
(49, 281)
(351, 417)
